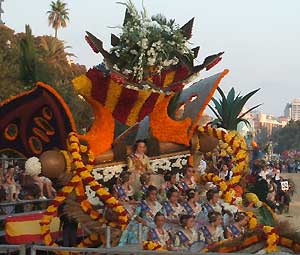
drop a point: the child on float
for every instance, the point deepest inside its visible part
(159, 234)
(187, 238)
(238, 228)
(213, 232)
(144, 214)
(172, 210)
(188, 181)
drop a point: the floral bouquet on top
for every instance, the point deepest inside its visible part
(150, 47)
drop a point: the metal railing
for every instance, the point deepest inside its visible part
(9, 249)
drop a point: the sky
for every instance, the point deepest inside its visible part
(261, 38)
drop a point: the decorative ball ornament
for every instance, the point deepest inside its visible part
(53, 163)
(207, 143)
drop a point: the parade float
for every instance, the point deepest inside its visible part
(143, 90)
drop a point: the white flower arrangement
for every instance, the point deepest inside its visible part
(33, 166)
(148, 45)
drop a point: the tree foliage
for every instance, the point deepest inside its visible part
(228, 109)
(25, 59)
(288, 138)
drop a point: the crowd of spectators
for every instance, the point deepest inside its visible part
(16, 184)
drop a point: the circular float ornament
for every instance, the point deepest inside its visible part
(47, 113)
(41, 134)
(11, 132)
(45, 125)
(35, 145)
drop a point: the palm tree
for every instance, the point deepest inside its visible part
(228, 110)
(54, 52)
(28, 58)
(58, 15)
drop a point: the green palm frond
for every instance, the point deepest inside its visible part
(228, 109)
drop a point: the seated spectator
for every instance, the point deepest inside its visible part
(225, 173)
(33, 168)
(12, 187)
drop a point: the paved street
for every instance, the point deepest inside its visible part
(293, 215)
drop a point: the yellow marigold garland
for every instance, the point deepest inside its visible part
(76, 183)
(233, 144)
(272, 239)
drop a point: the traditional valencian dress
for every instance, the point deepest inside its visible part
(211, 237)
(172, 214)
(184, 186)
(196, 212)
(147, 212)
(235, 232)
(138, 165)
(125, 195)
(188, 239)
(158, 237)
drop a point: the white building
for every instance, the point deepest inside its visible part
(292, 110)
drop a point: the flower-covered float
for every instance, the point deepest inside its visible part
(139, 92)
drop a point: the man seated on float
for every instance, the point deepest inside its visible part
(214, 204)
(238, 228)
(159, 234)
(213, 231)
(169, 183)
(172, 210)
(187, 237)
(188, 181)
(144, 214)
(139, 163)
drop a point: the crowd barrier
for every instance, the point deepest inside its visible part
(13, 249)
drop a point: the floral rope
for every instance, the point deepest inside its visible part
(82, 173)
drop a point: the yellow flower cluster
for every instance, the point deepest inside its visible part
(152, 246)
(252, 220)
(272, 239)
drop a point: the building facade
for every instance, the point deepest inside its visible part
(292, 110)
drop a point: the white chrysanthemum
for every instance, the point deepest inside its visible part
(33, 166)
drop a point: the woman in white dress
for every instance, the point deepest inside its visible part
(213, 231)
(172, 210)
(187, 237)
(238, 228)
(159, 234)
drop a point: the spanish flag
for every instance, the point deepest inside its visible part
(25, 228)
